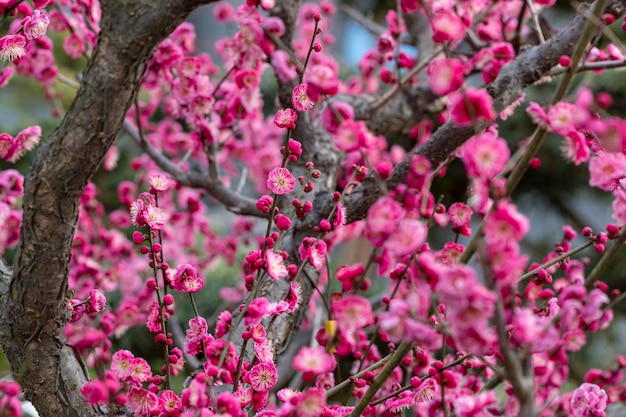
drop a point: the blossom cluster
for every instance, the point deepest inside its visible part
(450, 328)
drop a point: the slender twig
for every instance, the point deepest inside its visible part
(535, 18)
(384, 374)
(591, 66)
(555, 261)
(606, 259)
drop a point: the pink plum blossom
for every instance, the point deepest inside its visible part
(275, 265)
(470, 106)
(284, 68)
(36, 24)
(459, 214)
(224, 322)
(565, 117)
(197, 329)
(313, 361)
(170, 402)
(264, 203)
(301, 100)
(445, 75)
(350, 135)
(97, 301)
(142, 402)
(310, 403)
(74, 45)
(537, 114)
(401, 325)
(314, 250)
(223, 12)
(425, 392)
(407, 238)
(475, 405)
(383, 216)
(285, 118)
(282, 222)
(506, 224)
(12, 47)
(589, 400)
(280, 181)
(446, 26)
(330, 120)
(95, 392)
(155, 217)
(158, 183)
(400, 402)
(121, 364)
(187, 279)
(352, 312)
(606, 169)
(262, 376)
(321, 80)
(257, 310)
(7, 146)
(576, 148)
(485, 155)
(5, 75)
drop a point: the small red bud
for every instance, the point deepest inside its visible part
(608, 18)
(534, 163)
(168, 300)
(565, 61)
(138, 237)
(604, 99)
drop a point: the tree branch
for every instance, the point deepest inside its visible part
(197, 178)
(527, 68)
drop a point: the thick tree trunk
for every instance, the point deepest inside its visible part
(34, 304)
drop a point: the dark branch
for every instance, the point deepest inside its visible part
(529, 67)
(197, 178)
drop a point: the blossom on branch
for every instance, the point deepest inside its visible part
(280, 181)
(12, 47)
(445, 75)
(470, 106)
(589, 400)
(186, 279)
(301, 99)
(285, 118)
(36, 24)
(314, 250)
